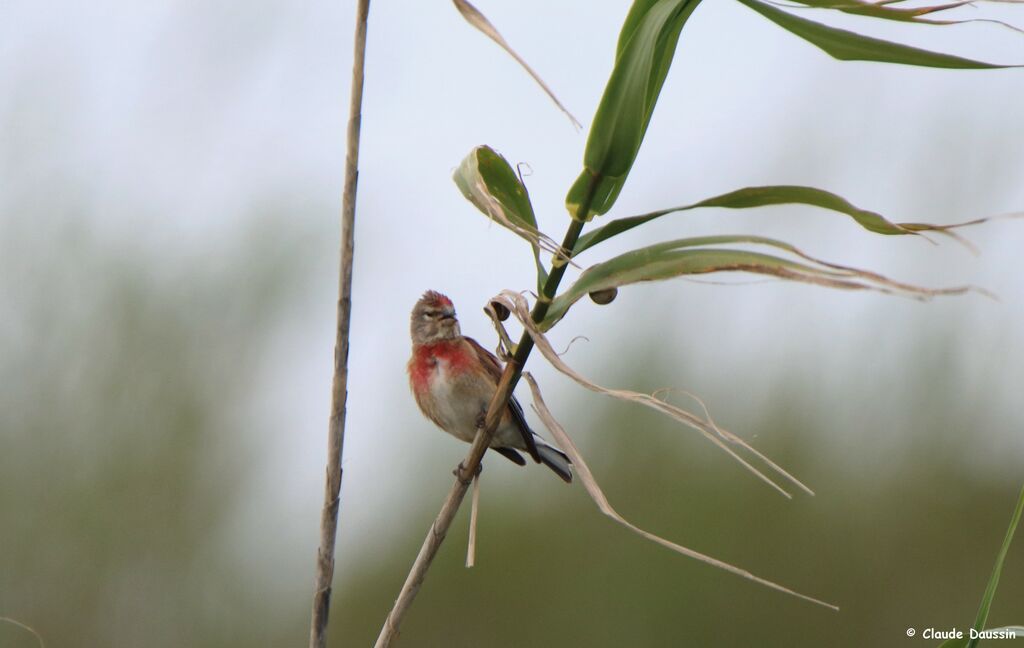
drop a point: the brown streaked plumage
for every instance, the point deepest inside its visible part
(453, 379)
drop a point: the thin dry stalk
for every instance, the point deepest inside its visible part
(339, 385)
(474, 511)
(471, 464)
(439, 529)
(26, 628)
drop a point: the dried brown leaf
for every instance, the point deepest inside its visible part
(595, 492)
(516, 305)
(480, 22)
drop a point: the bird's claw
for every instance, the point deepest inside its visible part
(460, 473)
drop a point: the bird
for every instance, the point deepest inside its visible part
(453, 379)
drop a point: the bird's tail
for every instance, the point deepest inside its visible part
(554, 459)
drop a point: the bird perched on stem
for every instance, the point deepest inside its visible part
(454, 378)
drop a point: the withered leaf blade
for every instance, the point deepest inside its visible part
(478, 20)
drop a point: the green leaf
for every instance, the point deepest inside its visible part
(993, 581)
(763, 197)
(887, 11)
(637, 12)
(487, 180)
(644, 54)
(490, 183)
(849, 46)
(677, 258)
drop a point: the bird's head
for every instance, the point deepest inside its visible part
(433, 319)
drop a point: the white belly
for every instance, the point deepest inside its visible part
(457, 409)
(461, 403)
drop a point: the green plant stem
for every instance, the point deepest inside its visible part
(550, 286)
(471, 464)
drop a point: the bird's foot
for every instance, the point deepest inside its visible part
(462, 474)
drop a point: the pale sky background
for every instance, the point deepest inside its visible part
(173, 121)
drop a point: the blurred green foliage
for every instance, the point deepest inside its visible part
(121, 454)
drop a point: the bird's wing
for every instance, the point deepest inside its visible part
(490, 363)
(493, 367)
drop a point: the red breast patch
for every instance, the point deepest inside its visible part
(426, 356)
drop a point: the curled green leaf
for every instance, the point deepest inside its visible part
(487, 180)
